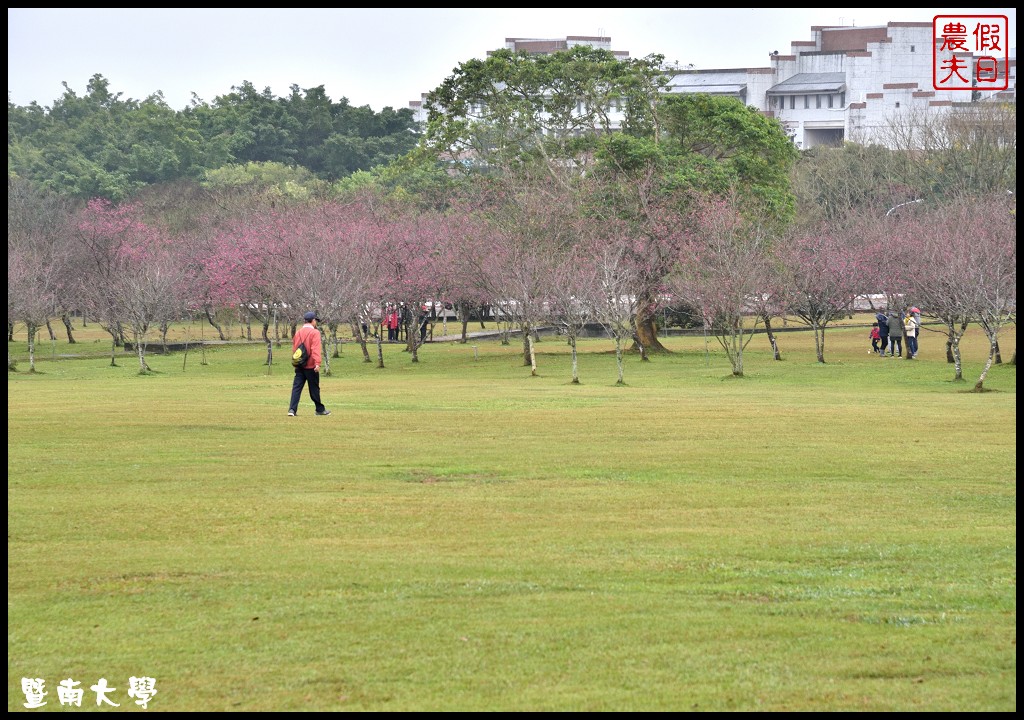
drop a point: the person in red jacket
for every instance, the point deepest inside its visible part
(876, 338)
(310, 371)
(392, 318)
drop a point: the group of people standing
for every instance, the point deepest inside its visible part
(396, 319)
(891, 327)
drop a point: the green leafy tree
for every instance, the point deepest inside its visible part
(514, 106)
(100, 145)
(710, 147)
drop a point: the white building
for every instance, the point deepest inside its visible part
(845, 84)
(849, 83)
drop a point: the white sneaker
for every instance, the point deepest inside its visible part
(291, 413)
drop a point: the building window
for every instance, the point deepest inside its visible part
(842, 99)
(911, 48)
(792, 102)
(897, 104)
(817, 101)
(830, 102)
(807, 102)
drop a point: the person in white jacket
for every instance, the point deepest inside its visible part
(910, 326)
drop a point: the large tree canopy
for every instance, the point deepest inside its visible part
(718, 145)
(514, 105)
(100, 145)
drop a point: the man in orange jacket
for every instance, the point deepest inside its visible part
(310, 371)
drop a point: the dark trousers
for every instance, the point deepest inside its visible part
(303, 376)
(885, 343)
(912, 345)
(895, 345)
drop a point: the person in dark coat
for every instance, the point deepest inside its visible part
(895, 333)
(883, 332)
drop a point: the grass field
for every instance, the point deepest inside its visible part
(460, 536)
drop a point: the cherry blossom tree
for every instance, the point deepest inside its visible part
(149, 287)
(996, 267)
(533, 226)
(575, 297)
(325, 268)
(942, 282)
(965, 268)
(411, 256)
(464, 246)
(770, 302)
(102, 229)
(722, 267)
(132, 275)
(32, 280)
(824, 272)
(38, 260)
(247, 265)
(520, 275)
(609, 279)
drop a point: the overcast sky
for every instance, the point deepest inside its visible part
(375, 57)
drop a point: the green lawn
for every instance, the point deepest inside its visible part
(458, 535)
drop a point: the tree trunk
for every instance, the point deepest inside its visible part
(66, 319)
(209, 319)
(113, 348)
(993, 349)
(575, 368)
(999, 354)
(640, 347)
(618, 360)
(31, 347)
(49, 329)
(414, 342)
(953, 338)
(141, 353)
(533, 355)
(736, 351)
(819, 342)
(776, 354)
(266, 339)
(647, 333)
(953, 349)
(333, 327)
(361, 339)
(325, 355)
(527, 348)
